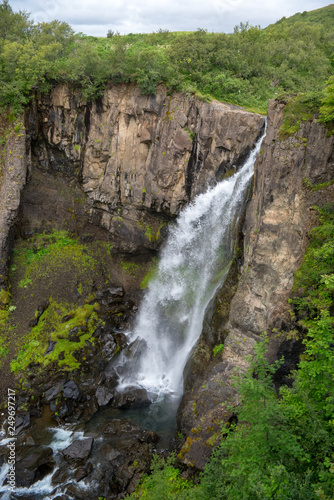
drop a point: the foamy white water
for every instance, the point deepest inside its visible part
(44, 489)
(193, 265)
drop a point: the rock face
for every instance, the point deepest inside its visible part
(13, 173)
(139, 158)
(278, 218)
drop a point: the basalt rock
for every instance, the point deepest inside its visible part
(278, 218)
(132, 397)
(13, 174)
(78, 451)
(33, 463)
(139, 159)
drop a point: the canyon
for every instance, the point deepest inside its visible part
(119, 171)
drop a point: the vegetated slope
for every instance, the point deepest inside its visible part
(246, 67)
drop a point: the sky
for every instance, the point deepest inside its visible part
(96, 17)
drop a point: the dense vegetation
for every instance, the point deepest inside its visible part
(246, 67)
(286, 450)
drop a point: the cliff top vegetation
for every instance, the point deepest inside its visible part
(246, 68)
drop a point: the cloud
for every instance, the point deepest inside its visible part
(128, 16)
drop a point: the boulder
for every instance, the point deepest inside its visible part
(71, 390)
(132, 397)
(78, 451)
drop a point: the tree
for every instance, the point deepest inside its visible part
(327, 107)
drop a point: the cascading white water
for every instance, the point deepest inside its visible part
(193, 264)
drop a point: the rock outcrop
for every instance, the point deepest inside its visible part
(278, 218)
(139, 158)
(13, 173)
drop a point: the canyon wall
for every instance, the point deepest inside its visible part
(14, 165)
(278, 218)
(139, 158)
(122, 168)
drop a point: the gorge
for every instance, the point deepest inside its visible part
(113, 175)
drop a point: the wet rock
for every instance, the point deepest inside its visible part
(120, 339)
(21, 422)
(40, 310)
(71, 390)
(98, 332)
(54, 391)
(132, 397)
(29, 440)
(116, 291)
(53, 406)
(111, 454)
(109, 346)
(33, 463)
(119, 427)
(149, 437)
(78, 451)
(65, 410)
(103, 396)
(60, 476)
(82, 472)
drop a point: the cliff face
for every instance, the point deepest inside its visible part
(15, 162)
(139, 158)
(278, 218)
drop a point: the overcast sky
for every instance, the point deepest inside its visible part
(96, 17)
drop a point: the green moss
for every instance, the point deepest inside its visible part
(4, 298)
(317, 187)
(53, 326)
(41, 259)
(130, 267)
(150, 233)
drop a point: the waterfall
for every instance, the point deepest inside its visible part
(193, 265)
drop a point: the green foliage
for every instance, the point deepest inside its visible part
(3, 349)
(165, 483)
(246, 67)
(281, 448)
(327, 105)
(218, 349)
(40, 259)
(299, 108)
(312, 293)
(130, 267)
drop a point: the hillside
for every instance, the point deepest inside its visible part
(246, 68)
